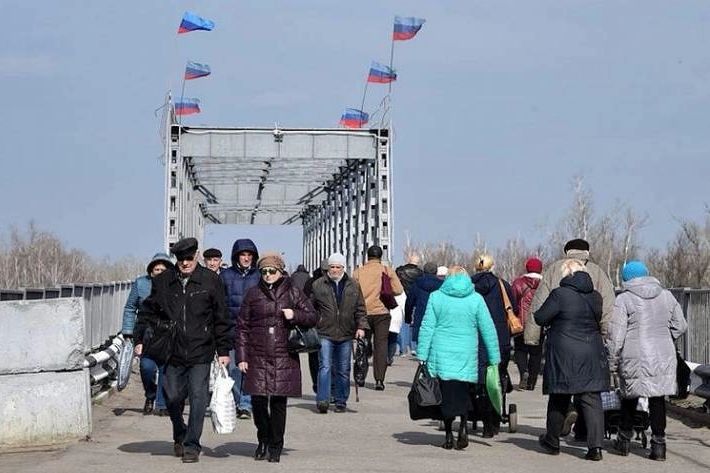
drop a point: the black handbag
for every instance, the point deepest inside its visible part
(303, 340)
(425, 396)
(159, 341)
(360, 363)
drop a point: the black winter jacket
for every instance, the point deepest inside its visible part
(203, 325)
(417, 300)
(339, 322)
(575, 358)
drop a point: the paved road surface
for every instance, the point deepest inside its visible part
(375, 436)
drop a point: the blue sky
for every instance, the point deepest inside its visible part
(498, 105)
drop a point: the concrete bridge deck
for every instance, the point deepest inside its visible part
(376, 436)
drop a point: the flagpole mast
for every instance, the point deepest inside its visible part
(364, 94)
(389, 89)
(182, 97)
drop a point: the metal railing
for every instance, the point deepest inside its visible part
(103, 306)
(695, 344)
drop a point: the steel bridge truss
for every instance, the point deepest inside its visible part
(336, 183)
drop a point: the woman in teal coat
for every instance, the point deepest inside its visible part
(448, 344)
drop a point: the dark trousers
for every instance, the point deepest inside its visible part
(656, 412)
(379, 331)
(528, 359)
(313, 367)
(391, 347)
(180, 383)
(270, 420)
(484, 410)
(590, 404)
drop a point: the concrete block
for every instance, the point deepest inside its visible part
(43, 335)
(44, 408)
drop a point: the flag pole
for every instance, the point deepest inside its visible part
(364, 94)
(182, 97)
(389, 89)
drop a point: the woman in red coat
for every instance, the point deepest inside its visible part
(268, 311)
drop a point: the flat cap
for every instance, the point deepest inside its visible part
(184, 247)
(212, 253)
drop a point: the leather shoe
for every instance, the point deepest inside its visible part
(178, 449)
(549, 449)
(594, 454)
(274, 455)
(379, 386)
(148, 407)
(570, 419)
(190, 456)
(449, 442)
(322, 407)
(260, 452)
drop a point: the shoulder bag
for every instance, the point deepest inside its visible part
(514, 325)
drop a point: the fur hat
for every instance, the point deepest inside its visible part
(336, 259)
(272, 260)
(430, 268)
(533, 265)
(633, 269)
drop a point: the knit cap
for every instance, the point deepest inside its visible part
(272, 260)
(633, 269)
(336, 259)
(533, 265)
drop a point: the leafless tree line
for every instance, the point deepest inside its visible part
(614, 237)
(36, 258)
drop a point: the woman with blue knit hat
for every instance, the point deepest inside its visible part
(646, 320)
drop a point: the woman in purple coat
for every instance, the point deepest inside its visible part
(267, 313)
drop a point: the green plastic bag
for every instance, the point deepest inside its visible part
(493, 388)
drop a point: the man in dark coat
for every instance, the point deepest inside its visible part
(300, 277)
(418, 297)
(407, 275)
(340, 306)
(575, 359)
(237, 280)
(191, 298)
(313, 361)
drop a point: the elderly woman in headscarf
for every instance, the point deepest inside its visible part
(267, 313)
(575, 361)
(646, 320)
(455, 317)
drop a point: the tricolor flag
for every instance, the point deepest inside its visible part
(187, 107)
(192, 22)
(406, 27)
(195, 70)
(381, 74)
(354, 118)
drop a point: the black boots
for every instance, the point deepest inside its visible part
(524, 379)
(260, 452)
(462, 440)
(658, 451)
(274, 455)
(148, 407)
(379, 386)
(594, 454)
(449, 442)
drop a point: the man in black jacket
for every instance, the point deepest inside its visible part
(340, 305)
(191, 298)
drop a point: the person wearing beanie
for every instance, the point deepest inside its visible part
(342, 317)
(415, 307)
(527, 357)
(576, 249)
(192, 298)
(268, 312)
(237, 280)
(213, 259)
(369, 276)
(149, 369)
(442, 272)
(488, 285)
(646, 321)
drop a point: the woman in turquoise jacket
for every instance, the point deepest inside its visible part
(448, 344)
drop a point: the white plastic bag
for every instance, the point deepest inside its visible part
(214, 372)
(222, 407)
(125, 360)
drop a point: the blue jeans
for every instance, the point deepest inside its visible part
(180, 383)
(153, 391)
(241, 398)
(334, 356)
(404, 340)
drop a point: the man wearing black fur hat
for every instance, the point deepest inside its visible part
(577, 249)
(192, 298)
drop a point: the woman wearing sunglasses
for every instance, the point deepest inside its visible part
(267, 313)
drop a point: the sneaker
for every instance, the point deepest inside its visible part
(340, 408)
(243, 414)
(570, 419)
(322, 407)
(190, 456)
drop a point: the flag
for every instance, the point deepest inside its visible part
(381, 74)
(187, 107)
(354, 118)
(406, 27)
(195, 70)
(192, 22)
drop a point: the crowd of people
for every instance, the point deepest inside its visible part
(455, 323)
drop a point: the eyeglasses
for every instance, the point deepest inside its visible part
(269, 271)
(186, 258)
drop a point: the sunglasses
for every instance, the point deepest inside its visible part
(186, 258)
(269, 271)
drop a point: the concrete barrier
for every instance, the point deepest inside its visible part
(45, 394)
